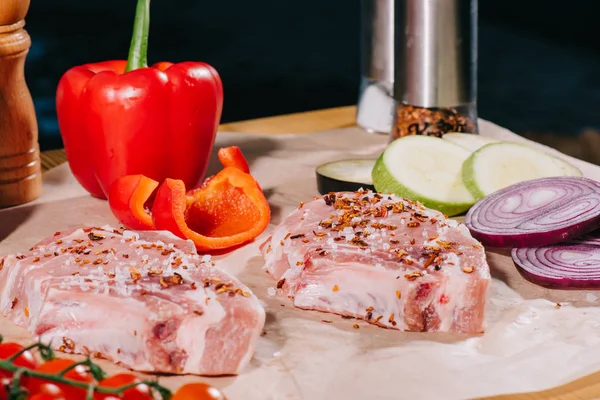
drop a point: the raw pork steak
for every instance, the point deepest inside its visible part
(383, 259)
(145, 300)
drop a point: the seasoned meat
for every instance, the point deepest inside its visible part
(145, 300)
(381, 258)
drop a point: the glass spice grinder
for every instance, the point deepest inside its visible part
(433, 45)
(376, 107)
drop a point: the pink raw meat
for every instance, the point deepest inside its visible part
(145, 300)
(381, 258)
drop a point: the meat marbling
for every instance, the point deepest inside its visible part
(145, 300)
(381, 258)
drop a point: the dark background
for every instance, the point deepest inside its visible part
(539, 61)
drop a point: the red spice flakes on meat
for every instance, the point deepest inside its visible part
(326, 224)
(95, 236)
(163, 282)
(429, 261)
(419, 217)
(359, 242)
(401, 253)
(413, 275)
(329, 199)
(386, 258)
(135, 274)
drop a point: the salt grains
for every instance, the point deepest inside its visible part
(131, 235)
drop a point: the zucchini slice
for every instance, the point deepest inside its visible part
(425, 169)
(345, 175)
(498, 165)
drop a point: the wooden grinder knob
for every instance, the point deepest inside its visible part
(20, 172)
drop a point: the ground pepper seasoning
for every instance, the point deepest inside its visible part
(435, 66)
(413, 120)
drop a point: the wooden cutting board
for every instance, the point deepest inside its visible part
(302, 357)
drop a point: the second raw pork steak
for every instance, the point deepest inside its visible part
(381, 258)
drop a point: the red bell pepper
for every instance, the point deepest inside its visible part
(128, 200)
(232, 157)
(228, 210)
(122, 118)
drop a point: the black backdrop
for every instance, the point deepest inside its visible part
(539, 60)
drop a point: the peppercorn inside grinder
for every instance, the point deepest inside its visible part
(435, 65)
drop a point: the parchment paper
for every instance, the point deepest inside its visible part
(531, 342)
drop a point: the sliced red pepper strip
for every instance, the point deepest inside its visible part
(127, 199)
(232, 157)
(229, 210)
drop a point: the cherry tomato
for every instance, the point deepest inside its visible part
(79, 373)
(46, 396)
(4, 381)
(198, 391)
(48, 391)
(25, 360)
(51, 389)
(139, 392)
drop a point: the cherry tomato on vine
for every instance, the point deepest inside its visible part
(46, 396)
(139, 392)
(48, 391)
(25, 360)
(79, 373)
(198, 391)
(4, 381)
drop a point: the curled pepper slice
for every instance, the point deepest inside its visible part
(127, 199)
(228, 210)
(232, 157)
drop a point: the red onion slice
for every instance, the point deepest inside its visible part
(536, 213)
(574, 264)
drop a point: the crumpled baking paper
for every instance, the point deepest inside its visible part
(535, 338)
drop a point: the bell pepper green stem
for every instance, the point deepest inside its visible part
(138, 49)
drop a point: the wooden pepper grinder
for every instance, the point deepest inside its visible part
(20, 172)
